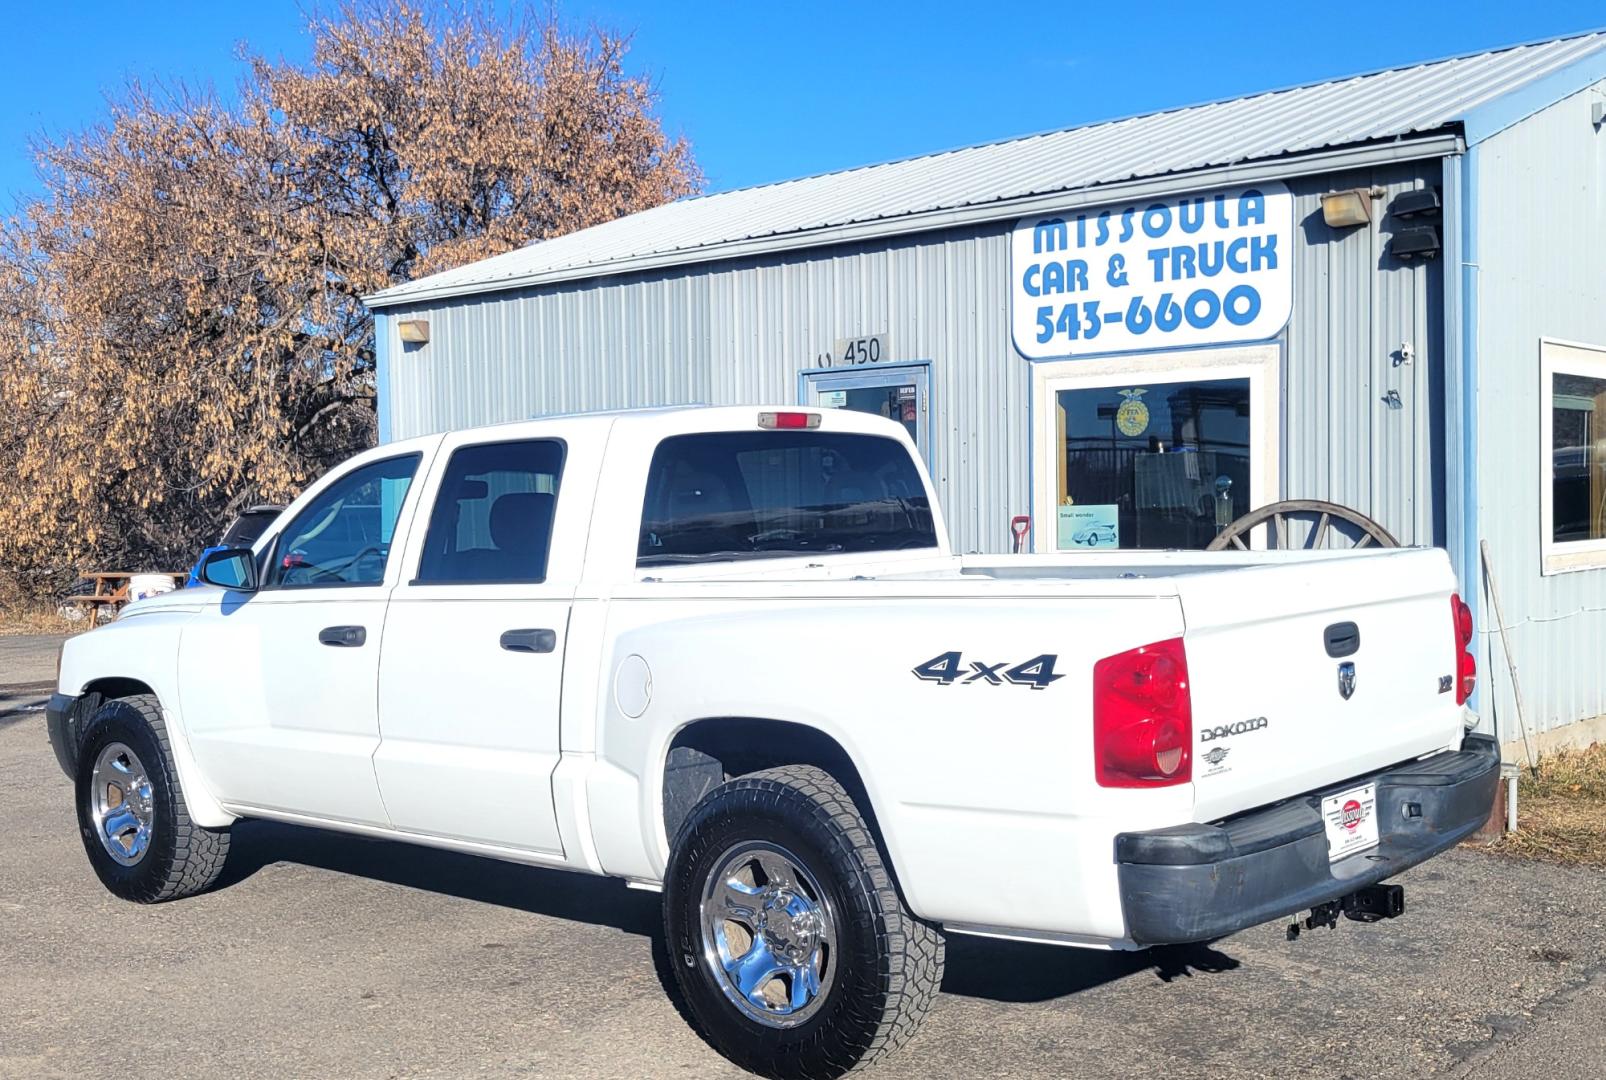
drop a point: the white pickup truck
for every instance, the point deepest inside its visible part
(727, 652)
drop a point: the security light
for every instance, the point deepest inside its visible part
(415, 331)
(1417, 243)
(1423, 202)
(1341, 209)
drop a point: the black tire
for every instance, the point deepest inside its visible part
(181, 858)
(888, 962)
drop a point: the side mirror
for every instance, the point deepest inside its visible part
(230, 568)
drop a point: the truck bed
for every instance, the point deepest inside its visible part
(1255, 628)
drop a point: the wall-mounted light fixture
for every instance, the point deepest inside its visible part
(1423, 202)
(1341, 209)
(1421, 242)
(413, 331)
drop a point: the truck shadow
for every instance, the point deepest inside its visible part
(994, 970)
(1018, 971)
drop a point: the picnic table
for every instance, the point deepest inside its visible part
(111, 590)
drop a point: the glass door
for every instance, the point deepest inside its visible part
(897, 392)
(1152, 452)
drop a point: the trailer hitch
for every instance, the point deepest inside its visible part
(1367, 905)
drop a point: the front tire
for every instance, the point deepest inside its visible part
(796, 956)
(132, 817)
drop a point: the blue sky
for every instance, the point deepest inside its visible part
(768, 91)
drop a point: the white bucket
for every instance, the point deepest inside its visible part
(143, 586)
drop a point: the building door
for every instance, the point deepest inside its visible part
(898, 392)
(1153, 451)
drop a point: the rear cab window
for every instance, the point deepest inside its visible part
(771, 494)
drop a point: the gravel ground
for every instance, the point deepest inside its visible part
(331, 956)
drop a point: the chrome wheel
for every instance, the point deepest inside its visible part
(769, 936)
(120, 803)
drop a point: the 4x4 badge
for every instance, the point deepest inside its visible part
(1346, 679)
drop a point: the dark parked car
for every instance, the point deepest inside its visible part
(244, 531)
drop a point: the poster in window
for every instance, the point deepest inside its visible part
(1090, 526)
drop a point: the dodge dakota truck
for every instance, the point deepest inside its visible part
(727, 653)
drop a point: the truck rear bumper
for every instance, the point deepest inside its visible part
(1195, 882)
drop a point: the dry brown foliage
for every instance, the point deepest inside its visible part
(1561, 809)
(181, 333)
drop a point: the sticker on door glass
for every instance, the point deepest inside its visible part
(833, 399)
(1089, 526)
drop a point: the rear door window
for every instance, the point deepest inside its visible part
(739, 494)
(493, 514)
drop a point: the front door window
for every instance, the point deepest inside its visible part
(1151, 464)
(343, 536)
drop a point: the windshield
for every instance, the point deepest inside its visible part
(754, 494)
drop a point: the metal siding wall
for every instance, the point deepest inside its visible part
(1353, 309)
(1542, 231)
(739, 331)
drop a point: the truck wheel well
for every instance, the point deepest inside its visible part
(117, 688)
(707, 753)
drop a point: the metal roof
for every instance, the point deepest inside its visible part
(1398, 105)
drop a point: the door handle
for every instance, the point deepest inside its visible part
(344, 637)
(537, 641)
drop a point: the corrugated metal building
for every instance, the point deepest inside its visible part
(1135, 330)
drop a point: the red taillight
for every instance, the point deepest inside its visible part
(1466, 668)
(1463, 620)
(1143, 717)
(788, 421)
(1466, 676)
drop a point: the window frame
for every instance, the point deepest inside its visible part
(265, 570)
(1559, 357)
(439, 486)
(1261, 364)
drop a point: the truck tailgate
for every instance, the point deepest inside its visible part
(1285, 702)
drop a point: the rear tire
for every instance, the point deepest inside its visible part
(876, 968)
(132, 818)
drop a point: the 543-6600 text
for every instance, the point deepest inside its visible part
(1200, 309)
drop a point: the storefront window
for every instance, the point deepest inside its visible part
(1577, 457)
(1152, 465)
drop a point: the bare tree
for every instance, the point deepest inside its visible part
(181, 332)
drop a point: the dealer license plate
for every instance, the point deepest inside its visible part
(1351, 819)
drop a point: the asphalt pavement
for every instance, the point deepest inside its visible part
(27, 673)
(330, 956)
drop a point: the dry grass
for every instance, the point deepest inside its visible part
(38, 620)
(1561, 813)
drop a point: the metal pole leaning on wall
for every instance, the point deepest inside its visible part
(1511, 661)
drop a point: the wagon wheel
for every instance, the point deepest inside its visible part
(1353, 525)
